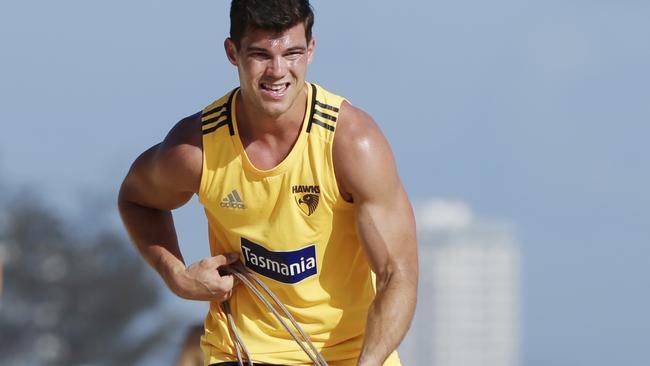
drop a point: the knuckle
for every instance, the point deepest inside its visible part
(221, 288)
(203, 262)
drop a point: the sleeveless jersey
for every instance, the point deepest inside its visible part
(292, 228)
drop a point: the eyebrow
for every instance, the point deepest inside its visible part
(264, 50)
(297, 48)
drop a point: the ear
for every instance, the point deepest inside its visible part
(231, 50)
(311, 47)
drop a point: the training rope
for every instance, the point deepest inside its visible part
(245, 276)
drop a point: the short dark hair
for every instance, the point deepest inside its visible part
(275, 15)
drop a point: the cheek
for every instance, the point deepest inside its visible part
(252, 69)
(299, 66)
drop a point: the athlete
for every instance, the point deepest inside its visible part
(300, 187)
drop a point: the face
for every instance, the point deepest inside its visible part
(272, 68)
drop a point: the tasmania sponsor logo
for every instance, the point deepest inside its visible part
(290, 266)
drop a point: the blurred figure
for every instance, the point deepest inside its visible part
(2, 259)
(191, 354)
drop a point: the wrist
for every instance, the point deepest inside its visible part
(368, 363)
(366, 360)
(175, 278)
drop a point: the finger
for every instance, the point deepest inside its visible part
(227, 283)
(232, 257)
(224, 297)
(223, 259)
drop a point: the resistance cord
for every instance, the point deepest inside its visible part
(248, 278)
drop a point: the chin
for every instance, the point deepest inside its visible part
(275, 110)
(275, 107)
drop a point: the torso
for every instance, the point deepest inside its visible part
(292, 227)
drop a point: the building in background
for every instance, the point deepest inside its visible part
(468, 311)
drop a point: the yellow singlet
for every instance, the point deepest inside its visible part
(294, 230)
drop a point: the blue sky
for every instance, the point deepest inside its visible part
(535, 112)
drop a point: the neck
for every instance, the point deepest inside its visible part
(254, 123)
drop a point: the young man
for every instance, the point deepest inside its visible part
(298, 185)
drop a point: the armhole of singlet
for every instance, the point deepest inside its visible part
(340, 201)
(204, 170)
(209, 135)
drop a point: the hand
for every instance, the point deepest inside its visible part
(202, 281)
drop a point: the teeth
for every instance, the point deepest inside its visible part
(274, 87)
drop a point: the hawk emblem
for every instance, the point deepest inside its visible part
(308, 203)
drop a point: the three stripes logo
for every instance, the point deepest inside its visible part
(327, 114)
(233, 200)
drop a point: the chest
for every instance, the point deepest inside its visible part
(266, 156)
(268, 151)
(299, 199)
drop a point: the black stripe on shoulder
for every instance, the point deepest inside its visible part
(214, 119)
(227, 113)
(313, 107)
(326, 116)
(327, 106)
(215, 110)
(215, 127)
(322, 124)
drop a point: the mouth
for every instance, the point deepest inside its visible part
(275, 90)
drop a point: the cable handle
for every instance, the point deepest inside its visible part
(245, 276)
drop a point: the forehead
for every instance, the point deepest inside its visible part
(270, 39)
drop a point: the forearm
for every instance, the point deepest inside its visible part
(389, 317)
(153, 234)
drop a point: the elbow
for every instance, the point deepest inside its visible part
(404, 276)
(120, 197)
(123, 201)
(383, 278)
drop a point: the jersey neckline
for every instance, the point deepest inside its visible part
(296, 149)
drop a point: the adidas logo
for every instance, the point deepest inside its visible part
(233, 200)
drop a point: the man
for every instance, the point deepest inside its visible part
(298, 185)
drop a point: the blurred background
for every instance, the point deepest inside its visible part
(520, 128)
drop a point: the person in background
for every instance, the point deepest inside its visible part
(190, 353)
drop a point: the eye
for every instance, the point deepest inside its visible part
(294, 55)
(258, 55)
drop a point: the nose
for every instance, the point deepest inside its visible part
(277, 67)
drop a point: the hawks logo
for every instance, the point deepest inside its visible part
(307, 198)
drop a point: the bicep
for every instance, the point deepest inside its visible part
(385, 220)
(167, 175)
(148, 184)
(387, 231)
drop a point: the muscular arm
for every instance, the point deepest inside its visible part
(386, 227)
(161, 179)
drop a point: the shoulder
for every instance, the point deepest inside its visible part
(355, 124)
(361, 153)
(166, 175)
(179, 157)
(185, 137)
